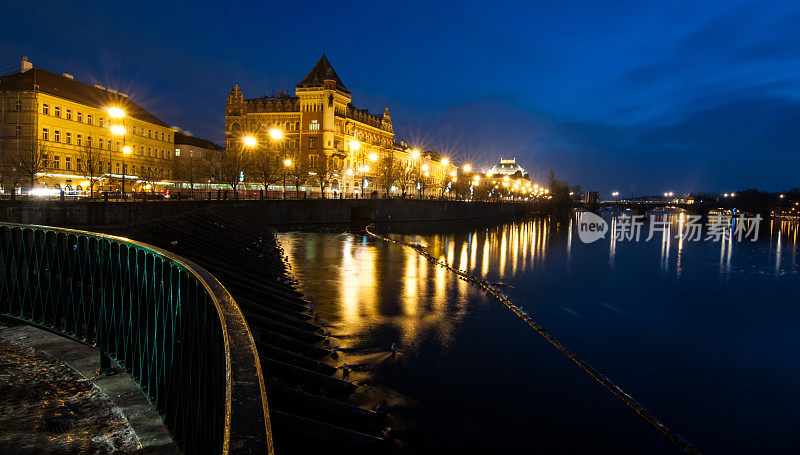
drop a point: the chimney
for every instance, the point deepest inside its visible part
(99, 86)
(26, 65)
(68, 76)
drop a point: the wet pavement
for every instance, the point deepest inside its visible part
(48, 408)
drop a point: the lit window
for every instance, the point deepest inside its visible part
(314, 160)
(18, 106)
(314, 125)
(177, 152)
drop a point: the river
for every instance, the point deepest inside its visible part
(702, 333)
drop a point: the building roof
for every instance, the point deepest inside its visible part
(321, 71)
(37, 79)
(507, 167)
(183, 139)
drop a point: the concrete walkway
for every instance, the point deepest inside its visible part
(150, 433)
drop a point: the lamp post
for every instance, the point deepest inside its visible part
(247, 142)
(119, 130)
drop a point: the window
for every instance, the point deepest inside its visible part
(149, 153)
(18, 106)
(100, 121)
(45, 109)
(149, 134)
(80, 117)
(296, 143)
(89, 119)
(69, 138)
(57, 111)
(312, 142)
(67, 163)
(177, 151)
(109, 145)
(89, 141)
(314, 125)
(162, 135)
(141, 151)
(56, 162)
(44, 160)
(133, 169)
(314, 160)
(18, 132)
(100, 165)
(69, 114)
(117, 167)
(79, 139)
(78, 163)
(57, 136)
(134, 130)
(101, 142)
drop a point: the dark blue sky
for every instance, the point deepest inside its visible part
(634, 96)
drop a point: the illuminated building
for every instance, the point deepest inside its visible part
(324, 135)
(53, 125)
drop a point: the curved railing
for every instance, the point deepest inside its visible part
(168, 322)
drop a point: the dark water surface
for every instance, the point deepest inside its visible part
(703, 334)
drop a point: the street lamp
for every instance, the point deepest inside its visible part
(415, 153)
(467, 168)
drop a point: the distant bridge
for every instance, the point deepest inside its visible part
(696, 208)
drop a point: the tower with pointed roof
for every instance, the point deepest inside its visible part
(319, 124)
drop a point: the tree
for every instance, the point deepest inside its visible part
(389, 170)
(227, 167)
(31, 160)
(421, 180)
(298, 171)
(89, 165)
(407, 177)
(325, 172)
(189, 168)
(559, 191)
(267, 169)
(149, 175)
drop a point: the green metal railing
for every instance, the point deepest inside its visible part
(168, 322)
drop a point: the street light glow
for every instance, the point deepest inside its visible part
(424, 167)
(287, 162)
(276, 134)
(249, 141)
(415, 153)
(117, 130)
(467, 168)
(115, 112)
(373, 156)
(445, 162)
(354, 145)
(126, 149)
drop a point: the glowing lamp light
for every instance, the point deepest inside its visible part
(427, 174)
(424, 167)
(276, 134)
(249, 141)
(287, 162)
(453, 174)
(349, 172)
(115, 112)
(126, 150)
(85, 183)
(373, 156)
(415, 153)
(117, 130)
(354, 145)
(445, 162)
(467, 168)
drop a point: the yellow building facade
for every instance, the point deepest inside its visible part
(321, 130)
(62, 129)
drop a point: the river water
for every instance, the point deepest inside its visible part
(702, 333)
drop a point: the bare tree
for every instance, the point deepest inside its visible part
(268, 169)
(325, 172)
(189, 168)
(389, 170)
(298, 171)
(31, 160)
(228, 166)
(421, 180)
(406, 178)
(89, 166)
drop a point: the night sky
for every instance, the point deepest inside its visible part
(638, 96)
